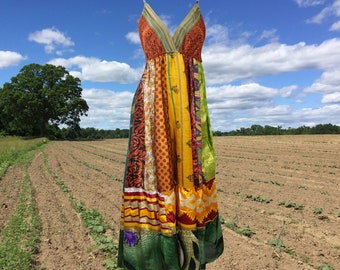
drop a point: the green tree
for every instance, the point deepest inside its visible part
(41, 96)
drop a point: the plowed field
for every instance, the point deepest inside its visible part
(279, 197)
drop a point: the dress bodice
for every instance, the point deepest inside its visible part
(157, 40)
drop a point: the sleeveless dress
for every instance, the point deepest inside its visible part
(169, 215)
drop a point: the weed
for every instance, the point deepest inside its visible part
(97, 227)
(317, 211)
(277, 183)
(325, 266)
(278, 243)
(246, 231)
(258, 198)
(291, 205)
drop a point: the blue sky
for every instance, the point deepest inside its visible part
(267, 62)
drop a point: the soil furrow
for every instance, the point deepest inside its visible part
(65, 242)
(9, 192)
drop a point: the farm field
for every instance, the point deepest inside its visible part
(279, 197)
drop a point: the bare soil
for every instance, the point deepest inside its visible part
(284, 189)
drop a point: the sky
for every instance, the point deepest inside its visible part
(266, 62)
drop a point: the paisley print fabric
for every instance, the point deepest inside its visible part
(169, 214)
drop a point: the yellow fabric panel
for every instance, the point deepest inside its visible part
(179, 116)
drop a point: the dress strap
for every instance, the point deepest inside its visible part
(144, 1)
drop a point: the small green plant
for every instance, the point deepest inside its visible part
(277, 183)
(245, 230)
(291, 205)
(317, 211)
(258, 198)
(278, 243)
(325, 266)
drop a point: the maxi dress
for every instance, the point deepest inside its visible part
(169, 215)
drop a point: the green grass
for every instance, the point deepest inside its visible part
(19, 241)
(12, 148)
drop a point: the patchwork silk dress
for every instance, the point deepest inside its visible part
(169, 215)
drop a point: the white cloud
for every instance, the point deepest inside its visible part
(133, 37)
(279, 115)
(216, 33)
(308, 3)
(9, 58)
(225, 64)
(328, 11)
(230, 97)
(107, 109)
(328, 83)
(335, 26)
(96, 70)
(331, 98)
(52, 39)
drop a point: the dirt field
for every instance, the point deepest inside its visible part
(285, 190)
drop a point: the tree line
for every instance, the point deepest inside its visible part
(258, 130)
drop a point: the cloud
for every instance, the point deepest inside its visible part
(332, 10)
(328, 83)
(133, 37)
(309, 3)
(216, 33)
(335, 26)
(331, 98)
(276, 115)
(9, 58)
(224, 64)
(96, 70)
(108, 109)
(53, 39)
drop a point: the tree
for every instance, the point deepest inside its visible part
(40, 96)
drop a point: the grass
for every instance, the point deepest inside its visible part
(11, 148)
(20, 238)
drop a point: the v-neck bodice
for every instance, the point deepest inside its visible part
(156, 38)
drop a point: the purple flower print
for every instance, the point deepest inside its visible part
(131, 238)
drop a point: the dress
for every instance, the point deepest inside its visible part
(169, 215)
